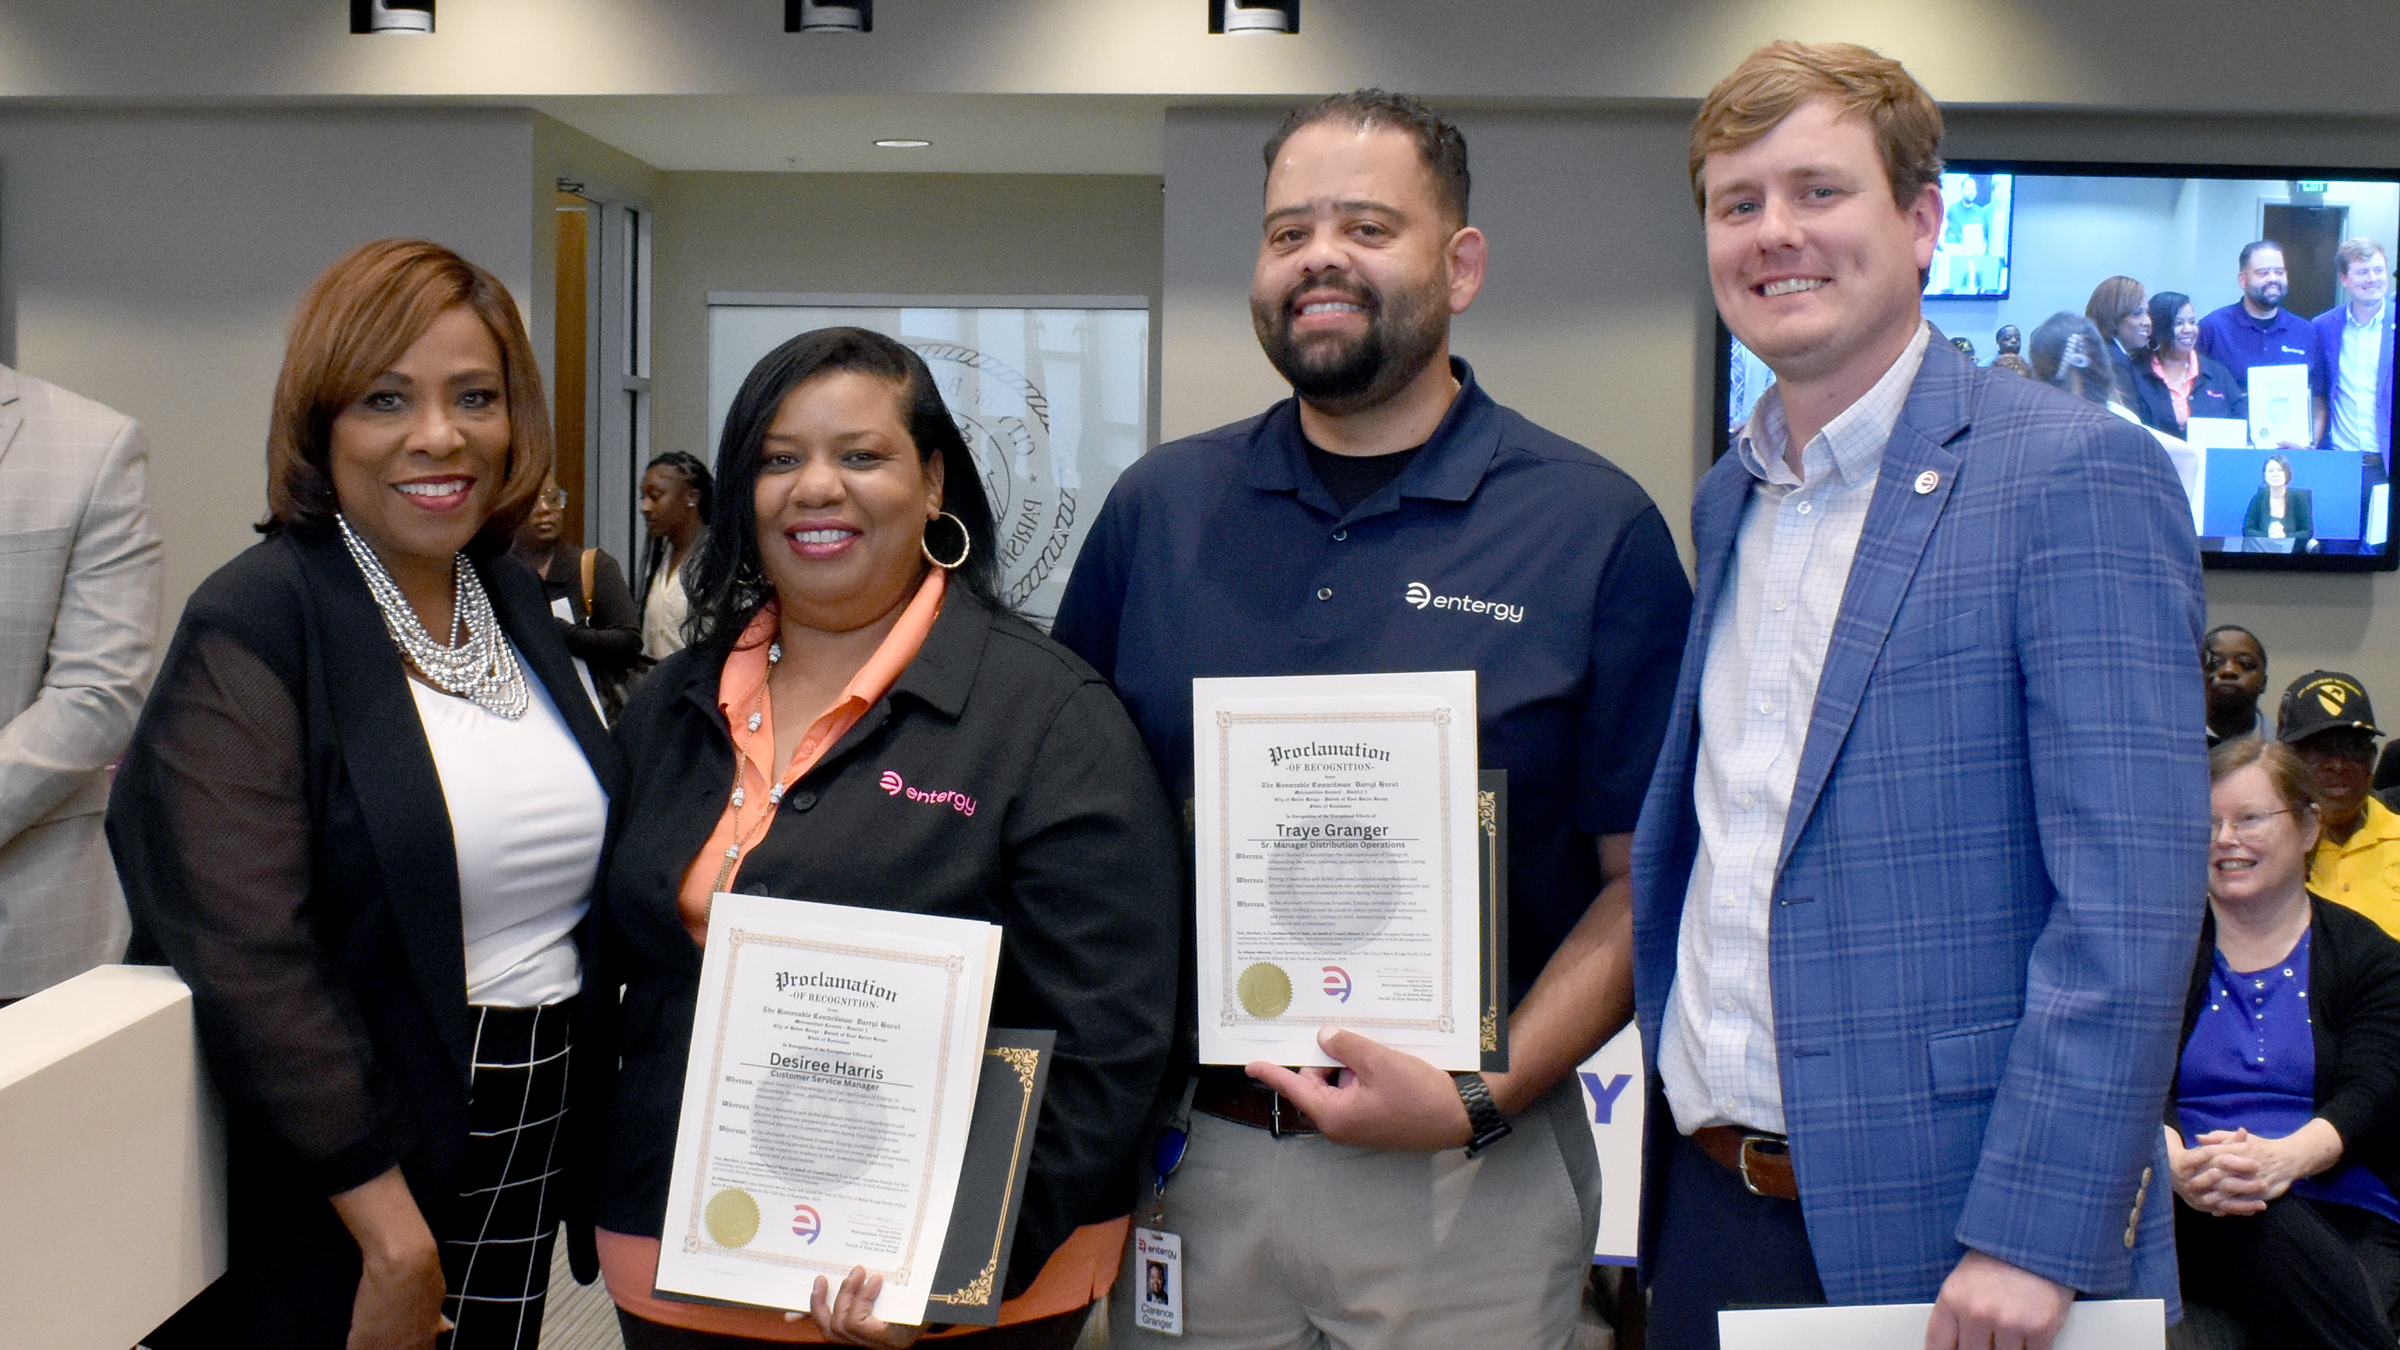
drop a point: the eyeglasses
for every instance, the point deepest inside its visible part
(555, 498)
(2250, 826)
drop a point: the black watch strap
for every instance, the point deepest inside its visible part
(1484, 1122)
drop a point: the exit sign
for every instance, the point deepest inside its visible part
(2307, 186)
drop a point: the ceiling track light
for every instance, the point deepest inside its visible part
(829, 16)
(391, 16)
(1276, 18)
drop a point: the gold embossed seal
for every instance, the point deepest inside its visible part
(732, 1218)
(1265, 990)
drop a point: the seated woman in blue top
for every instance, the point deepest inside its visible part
(2289, 1082)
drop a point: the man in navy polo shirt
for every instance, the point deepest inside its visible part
(2258, 331)
(1392, 517)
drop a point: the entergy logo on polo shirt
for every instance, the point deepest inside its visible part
(1422, 597)
(892, 783)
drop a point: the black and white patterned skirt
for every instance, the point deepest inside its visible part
(497, 1263)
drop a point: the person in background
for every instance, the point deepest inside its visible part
(1944, 618)
(849, 641)
(361, 818)
(676, 501)
(80, 593)
(586, 590)
(2355, 348)
(2257, 330)
(2070, 353)
(2283, 1139)
(2354, 355)
(2326, 719)
(2172, 382)
(2120, 310)
(1286, 544)
(2014, 363)
(2281, 518)
(2007, 340)
(2234, 662)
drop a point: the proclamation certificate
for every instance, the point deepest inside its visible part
(834, 1062)
(2281, 412)
(1335, 826)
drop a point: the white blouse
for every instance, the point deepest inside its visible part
(526, 816)
(663, 613)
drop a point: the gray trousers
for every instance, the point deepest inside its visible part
(1302, 1244)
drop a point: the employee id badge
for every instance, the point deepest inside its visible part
(1158, 1280)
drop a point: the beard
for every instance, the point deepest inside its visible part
(1405, 331)
(2266, 295)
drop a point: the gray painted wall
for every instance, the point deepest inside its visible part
(151, 260)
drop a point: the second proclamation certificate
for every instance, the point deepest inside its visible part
(834, 1061)
(1335, 855)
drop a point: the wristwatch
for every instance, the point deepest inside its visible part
(1484, 1121)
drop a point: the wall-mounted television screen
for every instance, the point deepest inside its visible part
(2269, 388)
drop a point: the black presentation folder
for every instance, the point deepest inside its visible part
(991, 1182)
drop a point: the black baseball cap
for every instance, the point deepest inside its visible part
(2323, 700)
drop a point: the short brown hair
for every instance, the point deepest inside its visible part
(1440, 146)
(1777, 78)
(2352, 253)
(2285, 769)
(357, 319)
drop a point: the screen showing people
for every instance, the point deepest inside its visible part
(2247, 323)
(1971, 257)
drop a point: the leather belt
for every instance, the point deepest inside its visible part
(1762, 1161)
(1242, 1101)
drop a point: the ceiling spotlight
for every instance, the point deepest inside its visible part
(902, 143)
(829, 16)
(1274, 17)
(391, 16)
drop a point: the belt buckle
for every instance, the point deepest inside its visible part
(1764, 1144)
(1274, 1115)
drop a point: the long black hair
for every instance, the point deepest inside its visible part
(2164, 306)
(726, 578)
(695, 477)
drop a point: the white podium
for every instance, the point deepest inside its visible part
(112, 1162)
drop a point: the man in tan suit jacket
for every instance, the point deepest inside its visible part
(80, 594)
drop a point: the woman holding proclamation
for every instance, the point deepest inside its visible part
(2288, 1090)
(859, 721)
(362, 818)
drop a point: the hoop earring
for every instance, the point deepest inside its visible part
(966, 544)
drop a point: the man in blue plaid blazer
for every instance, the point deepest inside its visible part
(1919, 879)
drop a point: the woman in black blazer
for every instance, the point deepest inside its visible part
(361, 817)
(2209, 389)
(897, 740)
(2284, 1136)
(2281, 518)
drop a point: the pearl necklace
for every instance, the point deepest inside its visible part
(482, 669)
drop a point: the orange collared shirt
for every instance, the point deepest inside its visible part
(741, 692)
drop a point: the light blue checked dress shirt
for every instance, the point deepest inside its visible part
(1758, 689)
